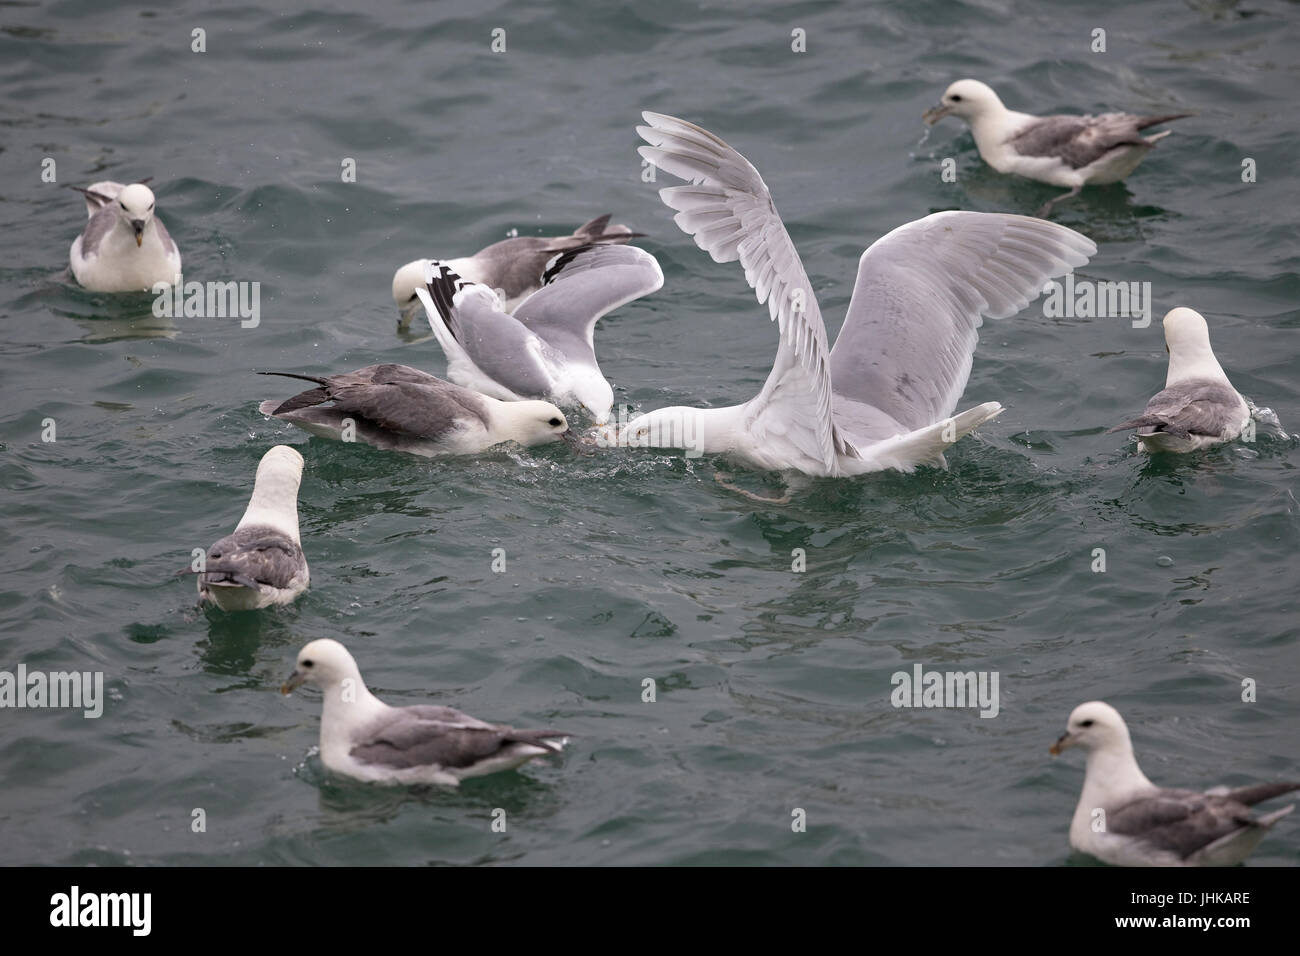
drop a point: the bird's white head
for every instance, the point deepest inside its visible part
(697, 430)
(324, 663)
(405, 281)
(967, 99)
(1094, 726)
(593, 392)
(1187, 339)
(135, 208)
(532, 422)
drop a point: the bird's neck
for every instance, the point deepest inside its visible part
(121, 238)
(590, 389)
(1197, 361)
(1112, 773)
(995, 125)
(274, 503)
(349, 702)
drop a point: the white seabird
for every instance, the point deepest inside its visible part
(513, 268)
(261, 563)
(1073, 151)
(124, 247)
(882, 397)
(400, 408)
(1125, 819)
(546, 349)
(1198, 406)
(364, 738)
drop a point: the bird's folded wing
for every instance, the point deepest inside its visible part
(251, 557)
(1190, 408)
(418, 410)
(427, 735)
(729, 211)
(1179, 821)
(1078, 140)
(921, 293)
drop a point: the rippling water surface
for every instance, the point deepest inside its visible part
(773, 686)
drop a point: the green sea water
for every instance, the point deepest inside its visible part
(772, 685)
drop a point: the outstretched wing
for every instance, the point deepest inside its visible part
(729, 211)
(921, 293)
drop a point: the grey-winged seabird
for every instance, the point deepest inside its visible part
(1125, 819)
(401, 408)
(512, 267)
(125, 247)
(364, 738)
(883, 396)
(261, 563)
(1198, 406)
(1071, 151)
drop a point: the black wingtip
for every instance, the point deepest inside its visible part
(306, 378)
(444, 285)
(562, 260)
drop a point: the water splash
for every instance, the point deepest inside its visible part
(1268, 418)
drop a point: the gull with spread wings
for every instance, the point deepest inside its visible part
(884, 396)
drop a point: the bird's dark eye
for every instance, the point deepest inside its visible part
(151, 207)
(553, 421)
(1086, 723)
(955, 98)
(306, 663)
(122, 204)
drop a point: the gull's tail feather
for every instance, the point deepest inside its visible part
(1144, 121)
(1268, 819)
(1259, 792)
(551, 741)
(926, 446)
(228, 579)
(1154, 422)
(590, 233)
(307, 399)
